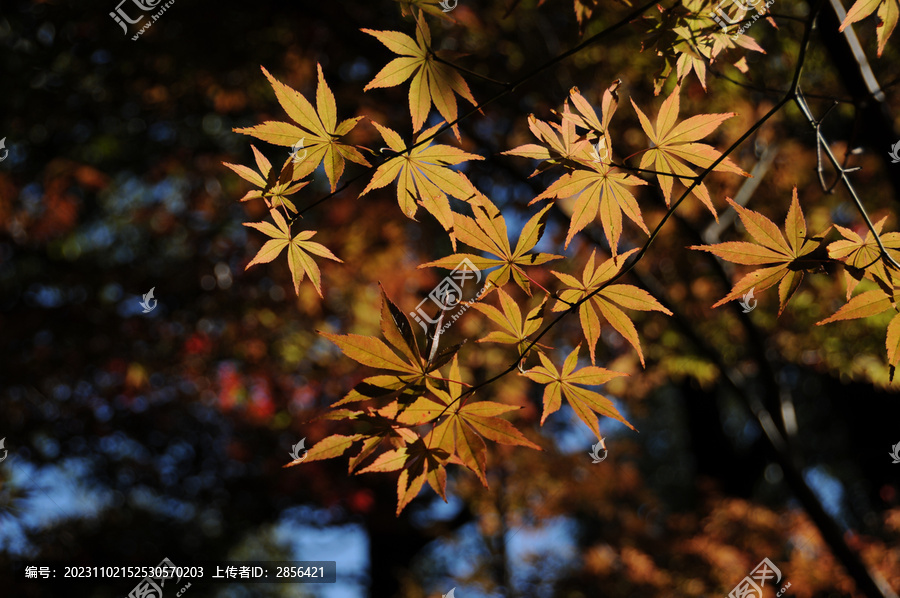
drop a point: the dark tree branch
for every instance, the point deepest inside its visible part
(507, 89)
(822, 142)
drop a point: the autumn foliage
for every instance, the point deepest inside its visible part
(450, 259)
(420, 414)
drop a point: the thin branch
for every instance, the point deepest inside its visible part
(828, 189)
(804, 107)
(786, 17)
(801, 58)
(867, 580)
(465, 70)
(772, 435)
(632, 261)
(508, 88)
(648, 171)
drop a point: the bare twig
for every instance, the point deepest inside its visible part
(820, 139)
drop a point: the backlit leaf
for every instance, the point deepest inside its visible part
(673, 144)
(487, 232)
(606, 302)
(317, 127)
(569, 383)
(888, 14)
(866, 304)
(331, 447)
(602, 192)
(423, 177)
(433, 81)
(863, 258)
(785, 259)
(299, 248)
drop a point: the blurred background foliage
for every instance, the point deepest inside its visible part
(137, 437)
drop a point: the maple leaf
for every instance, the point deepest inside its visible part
(393, 422)
(458, 438)
(317, 127)
(426, 463)
(688, 38)
(569, 383)
(673, 144)
(864, 305)
(433, 81)
(888, 14)
(461, 434)
(516, 330)
(561, 143)
(603, 192)
(600, 190)
(328, 448)
(583, 11)
(382, 423)
(607, 302)
(871, 303)
(863, 258)
(784, 260)
(410, 368)
(422, 176)
(587, 118)
(274, 187)
(417, 463)
(299, 248)
(487, 232)
(388, 422)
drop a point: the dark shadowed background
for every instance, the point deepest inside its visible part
(135, 437)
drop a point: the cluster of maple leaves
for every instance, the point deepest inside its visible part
(419, 412)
